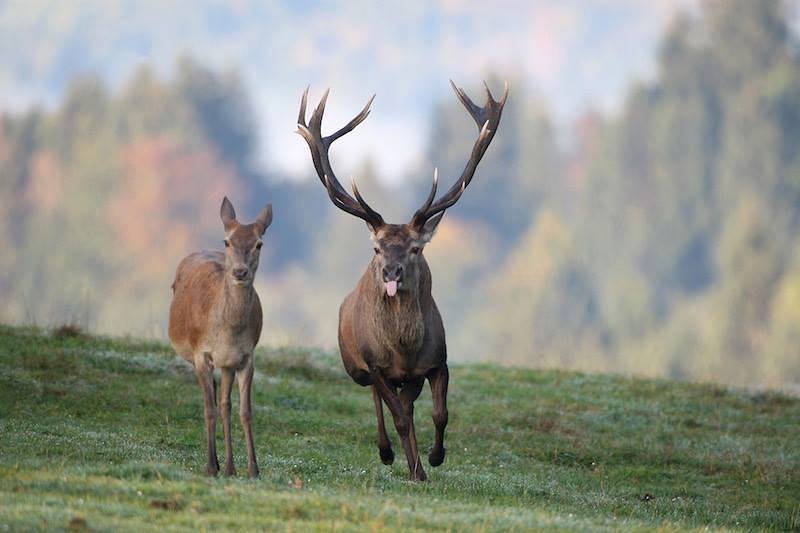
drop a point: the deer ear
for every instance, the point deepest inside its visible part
(264, 219)
(429, 228)
(227, 214)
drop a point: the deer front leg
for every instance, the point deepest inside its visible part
(205, 376)
(403, 425)
(408, 395)
(384, 444)
(438, 380)
(246, 414)
(226, 384)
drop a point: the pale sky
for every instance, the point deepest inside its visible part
(574, 53)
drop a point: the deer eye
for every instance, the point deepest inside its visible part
(414, 250)
(377, 251)
(227, 243)
(259, 245)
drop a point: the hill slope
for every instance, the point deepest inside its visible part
(107, 433)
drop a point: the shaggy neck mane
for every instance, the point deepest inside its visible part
(397, 320)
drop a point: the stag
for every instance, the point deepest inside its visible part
(215, 321)
(391, 335)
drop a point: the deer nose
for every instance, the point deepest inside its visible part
(240, 273)
(393, 272)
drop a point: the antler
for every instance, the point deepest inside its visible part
(487, 118)
(312, 133)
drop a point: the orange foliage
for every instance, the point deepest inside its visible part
(169, 199)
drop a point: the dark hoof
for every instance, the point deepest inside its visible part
(435, 459)
(387, 455)
(212, 467)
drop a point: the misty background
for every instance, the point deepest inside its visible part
(638, 210)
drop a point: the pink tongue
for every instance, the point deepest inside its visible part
(391, 288)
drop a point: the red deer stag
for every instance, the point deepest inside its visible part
(215, 321)
(390, 332)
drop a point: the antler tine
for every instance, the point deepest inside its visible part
(315, 123)
(449, 202)
(465, 100)
(332, 194)
(431, 196)
(489, 97)
(310, 138)
(301, 118)
(319, 145)
(488, 119)
(358, 119)
(363, 203)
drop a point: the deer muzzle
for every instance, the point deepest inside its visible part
(392, 278)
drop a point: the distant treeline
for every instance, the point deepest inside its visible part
(663, 240)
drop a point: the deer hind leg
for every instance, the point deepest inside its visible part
(402, 423)
(438, 380)
(226, 384)
(214, 381)
(384, 444)
(205, 377)
(246, 414)
(408, 395)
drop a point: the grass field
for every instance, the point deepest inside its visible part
(107, 434)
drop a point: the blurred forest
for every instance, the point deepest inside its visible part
(663, 239)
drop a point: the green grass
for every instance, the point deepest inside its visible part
(108, 434)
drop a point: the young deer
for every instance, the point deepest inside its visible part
(215, 321)
(390, 332)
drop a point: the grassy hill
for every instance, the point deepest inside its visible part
(107, 434)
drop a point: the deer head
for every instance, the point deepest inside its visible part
(398, 247)
(243, 243)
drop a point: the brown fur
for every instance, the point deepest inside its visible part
(398, 341)
(215, 322)
(207, 306)
(392, 334)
